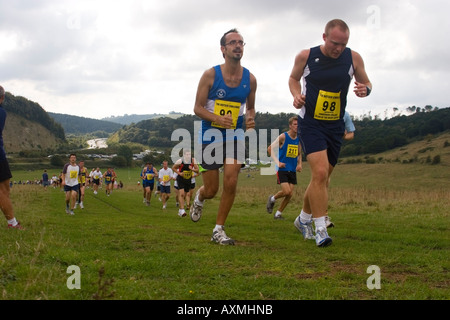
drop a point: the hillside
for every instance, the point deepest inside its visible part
(374, 136)
(21, 134)
(29, 128)
(81, 125)
(422, 151)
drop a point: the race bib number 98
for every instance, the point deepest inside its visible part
(223, 108)
(328, 106)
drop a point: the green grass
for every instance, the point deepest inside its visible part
(390, 215)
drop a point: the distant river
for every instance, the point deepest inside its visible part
(97, 143)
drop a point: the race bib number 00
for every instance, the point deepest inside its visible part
(223, 108)
(328, 106)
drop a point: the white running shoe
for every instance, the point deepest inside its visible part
(181, 213)
(322, 238)
(196, 209)
(328, 222)
(81, 205)
(305, 229)
(270, 204)
(220, 237)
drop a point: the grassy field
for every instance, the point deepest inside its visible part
(394, 216)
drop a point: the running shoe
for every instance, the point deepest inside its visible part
(220, 237)
(322, 238)
(182, 213)
(280, 217)
(305, 228)
(328, 222)
(17, 226)
(196, 209)
(270, 204)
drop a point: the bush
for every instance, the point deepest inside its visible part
(436, 159)
(57, 161)
(119, 161)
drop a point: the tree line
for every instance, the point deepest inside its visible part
(372, 135)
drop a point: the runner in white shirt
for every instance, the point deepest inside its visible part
(165, 176)
(70, 183)
(96, 179)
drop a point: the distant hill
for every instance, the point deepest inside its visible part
(80, 125)
(135, 118)
(29, 128)
(373, 136)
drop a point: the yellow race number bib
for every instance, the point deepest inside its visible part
(292, 151)
(223, 108)
(187, 174)
(328, 106)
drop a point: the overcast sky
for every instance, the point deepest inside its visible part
(98, 59)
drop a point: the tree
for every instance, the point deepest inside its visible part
(57, 161)
(125, 152)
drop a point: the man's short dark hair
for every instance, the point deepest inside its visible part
(223, 40)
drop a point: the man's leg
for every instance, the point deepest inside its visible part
(286, 192)
(210, 185)
(230, 179)
(5, 200)
(316, 195)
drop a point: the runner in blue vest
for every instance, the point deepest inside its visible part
(148, 181)
(327, 71)
(225, 93)
(286, 154)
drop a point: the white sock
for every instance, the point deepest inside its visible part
(320, 223)
(218, 227)
(13, 222)
(272, 199)
(198, 202)
(278, 214)
(305, 217)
